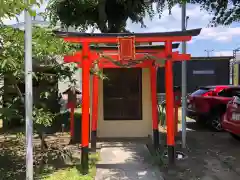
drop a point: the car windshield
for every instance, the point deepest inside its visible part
(236, 92)
(200, 91)
(230, 92)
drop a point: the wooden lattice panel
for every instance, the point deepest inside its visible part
(126, 48)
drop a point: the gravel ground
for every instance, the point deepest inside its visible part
(211, 156)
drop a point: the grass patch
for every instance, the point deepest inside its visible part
(74, 173)
(157, 155)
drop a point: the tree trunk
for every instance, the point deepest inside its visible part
(40, 134)
(44, 145)
(102, 16)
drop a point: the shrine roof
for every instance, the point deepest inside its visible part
(138, 47)
(191, 32)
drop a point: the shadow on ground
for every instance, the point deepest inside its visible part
(58, 155)
(12, 160)
(125, 159)
(211, 156)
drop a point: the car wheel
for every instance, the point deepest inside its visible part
(216, 123)
(237, 137)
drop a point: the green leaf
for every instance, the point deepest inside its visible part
(3, 63)
(32, 13)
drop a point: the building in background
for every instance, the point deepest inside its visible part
(201, 71)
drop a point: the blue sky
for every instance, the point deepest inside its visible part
(220, 40)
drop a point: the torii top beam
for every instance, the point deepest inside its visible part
(77, 37)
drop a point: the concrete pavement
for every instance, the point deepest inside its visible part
(126, 161)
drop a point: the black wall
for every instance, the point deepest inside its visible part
(199, 73)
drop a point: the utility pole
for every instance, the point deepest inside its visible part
(208, 51)
(28, 95)
(235, 67)
(184, 79)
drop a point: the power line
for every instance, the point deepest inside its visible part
(208, 51)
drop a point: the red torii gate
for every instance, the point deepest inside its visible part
(76, 58)
(127, 53)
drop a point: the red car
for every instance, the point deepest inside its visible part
(208, 104)
(231, 119)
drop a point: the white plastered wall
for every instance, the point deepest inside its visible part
(127, 128)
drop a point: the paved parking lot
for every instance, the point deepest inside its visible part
(211, 156)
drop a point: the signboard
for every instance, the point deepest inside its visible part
(203, 72)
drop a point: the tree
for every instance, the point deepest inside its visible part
(111, 15)
(224, 12)
(47, 50)
(107, 15)
(11, 8)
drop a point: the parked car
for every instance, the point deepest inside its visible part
(208, 104)
(231, 119)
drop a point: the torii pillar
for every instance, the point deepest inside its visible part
(86, 62)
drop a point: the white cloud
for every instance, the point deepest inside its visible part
(224, 34)
(223, 53)
(197, 19)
